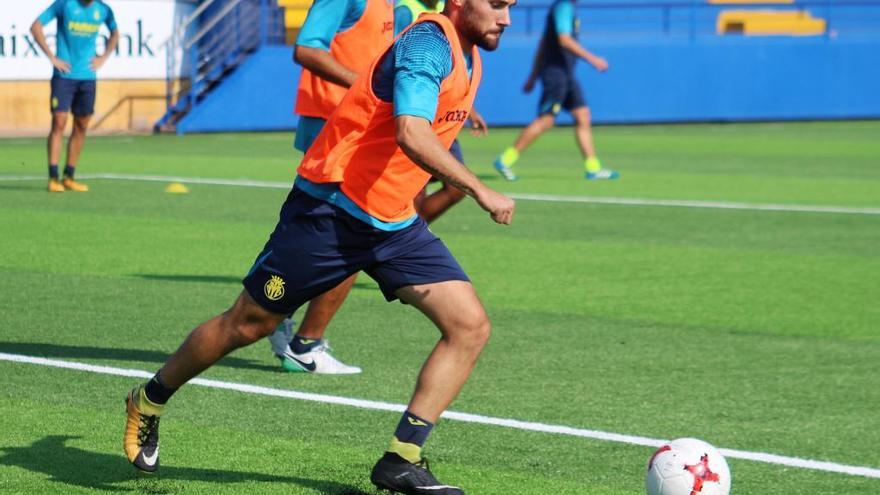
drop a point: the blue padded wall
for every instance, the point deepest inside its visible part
(651, 80)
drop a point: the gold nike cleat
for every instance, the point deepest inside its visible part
(55, 186)
(141, 440)
(72, 185)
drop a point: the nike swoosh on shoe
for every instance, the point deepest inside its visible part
(150, 460)
(306, 365)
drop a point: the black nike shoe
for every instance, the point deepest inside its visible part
(398, 475)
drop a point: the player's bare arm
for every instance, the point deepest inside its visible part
(100, 60)
(40, 38)
(571, 44)
(417, 139)
(324, 65)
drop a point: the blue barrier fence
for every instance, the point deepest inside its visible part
(693, 19)
(668, 67)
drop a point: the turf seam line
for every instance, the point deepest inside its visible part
(551, 198)
(452, 415)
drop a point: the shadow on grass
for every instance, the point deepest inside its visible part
(488, 177)
(208, 279)
(224, 279)
(89, 352)
(22, 187)
(74, 466)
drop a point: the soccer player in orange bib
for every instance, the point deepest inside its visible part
(351, 209)
(337, 43)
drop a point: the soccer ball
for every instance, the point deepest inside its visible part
(687, 466)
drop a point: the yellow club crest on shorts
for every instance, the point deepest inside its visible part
(54, 103)
(556, 108)
(274, 288)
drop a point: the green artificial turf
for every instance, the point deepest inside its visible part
(753, 330)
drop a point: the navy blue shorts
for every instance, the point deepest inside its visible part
(560, 91)
(73, 95)
(455, 149)
(316, 245)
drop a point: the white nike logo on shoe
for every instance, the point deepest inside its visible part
(151, 460)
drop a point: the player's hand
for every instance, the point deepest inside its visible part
(479, 127)
(61, 65)
(499, 206)
(600, 64)
(98, 62)
(529, 85)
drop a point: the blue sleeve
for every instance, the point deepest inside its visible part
(422, 60)
(325, 19)
(54, 10)
(402, 18)
(111, 20)
(563, 17)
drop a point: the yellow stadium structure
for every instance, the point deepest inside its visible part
(769, 23)
(295, 12)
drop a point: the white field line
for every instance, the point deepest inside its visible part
(451, 415)
(553, 198)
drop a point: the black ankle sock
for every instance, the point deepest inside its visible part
(69, 170)
(413, 429)
(53, 171)
(157, 392)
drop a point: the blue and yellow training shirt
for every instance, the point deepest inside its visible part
(78, 25)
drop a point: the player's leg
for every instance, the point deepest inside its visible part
(533, 131)
(576, 104)
(439, 202)
(83, 107)
(431, 206)
(303, 258)
(416, 267)
(322, 308)
(244, 323)
(308, 351)
(60, 101)
(552, 95)
(308, 344)
(506, 160)
(583, 132)
(74, 149)
(56, 136)
(464, 327)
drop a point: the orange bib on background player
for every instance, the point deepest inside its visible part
(358, 146)
(354, 48)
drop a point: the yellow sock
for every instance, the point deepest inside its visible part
(592, 164)
(509, 157)
(147, 407)
(409, 451)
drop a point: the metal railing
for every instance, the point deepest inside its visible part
(212, 41)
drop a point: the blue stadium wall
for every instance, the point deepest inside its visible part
(656, 80)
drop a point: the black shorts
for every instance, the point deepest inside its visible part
(73, 95)
(316, 245)
(560, 91)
